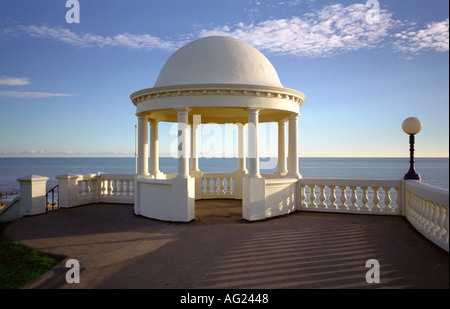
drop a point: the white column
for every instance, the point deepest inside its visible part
(253, 156)
(282, 148)
(142, 163)
(241, 148)
(293, 147)
(154, 148)
(183, 142)
(196, 121)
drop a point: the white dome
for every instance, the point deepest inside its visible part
(218, 60)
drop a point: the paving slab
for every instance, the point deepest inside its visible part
(219, 250)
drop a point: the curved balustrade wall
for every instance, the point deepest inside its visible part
(426, 208)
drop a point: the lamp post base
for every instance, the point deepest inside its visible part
(411, 175)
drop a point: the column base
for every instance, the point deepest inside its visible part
(158, 175)
(280, 174)
(294, 175)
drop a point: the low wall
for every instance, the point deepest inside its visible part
(266, 198)
(426, 208)
(280, 196)
(168, 200)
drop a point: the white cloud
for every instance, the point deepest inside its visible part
(31, 95)
(34, 152)
(333, 29)
(133, 41)
(13, 81)
(434, 37)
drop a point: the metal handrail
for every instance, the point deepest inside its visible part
(52, 192)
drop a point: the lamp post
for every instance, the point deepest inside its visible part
(411, 126)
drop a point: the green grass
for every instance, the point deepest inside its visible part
(20, 265)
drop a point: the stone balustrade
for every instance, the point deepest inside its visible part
(425, 207)
(351, 196)
(75, 190)
(218, 185)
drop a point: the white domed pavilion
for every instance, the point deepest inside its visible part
(216, 80)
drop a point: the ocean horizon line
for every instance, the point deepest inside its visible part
(170, 157)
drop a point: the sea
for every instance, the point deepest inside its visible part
(434, 171)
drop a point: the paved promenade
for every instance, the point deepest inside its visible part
(117, 249)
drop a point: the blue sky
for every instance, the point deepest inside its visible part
(64, 87)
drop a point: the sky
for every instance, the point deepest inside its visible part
(364, 67)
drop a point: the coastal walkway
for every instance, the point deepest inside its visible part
(303, 250)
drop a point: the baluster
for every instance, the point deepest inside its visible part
(387, 198)
(398, 200)
(102, 187)
(431, 214)
(110, 187)
(228, 186)
(131, 183)
(122, 187)
(332, 197)
(343, 197)
(375, 199)
(322, 197)
(312, 196)
(445, 233)
(221, 186)
(302, 196)
(87, 188)
(437, 214)
(426, 211)
(410, 210)
(364, 199)
(419, 211)
(92, 188)
(80, 187)
(214, 187)
(95, 188)
(124, 183)
(115, 184)
(128, 191)
(116, 187)
(353, 199)
(208, 187)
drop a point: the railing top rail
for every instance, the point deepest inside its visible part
(212, 174)
(52, 189)
(117, 176)
(427, 191)
(351, 182)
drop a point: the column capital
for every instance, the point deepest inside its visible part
(182, 109)
(283, 121)
(254, 109)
